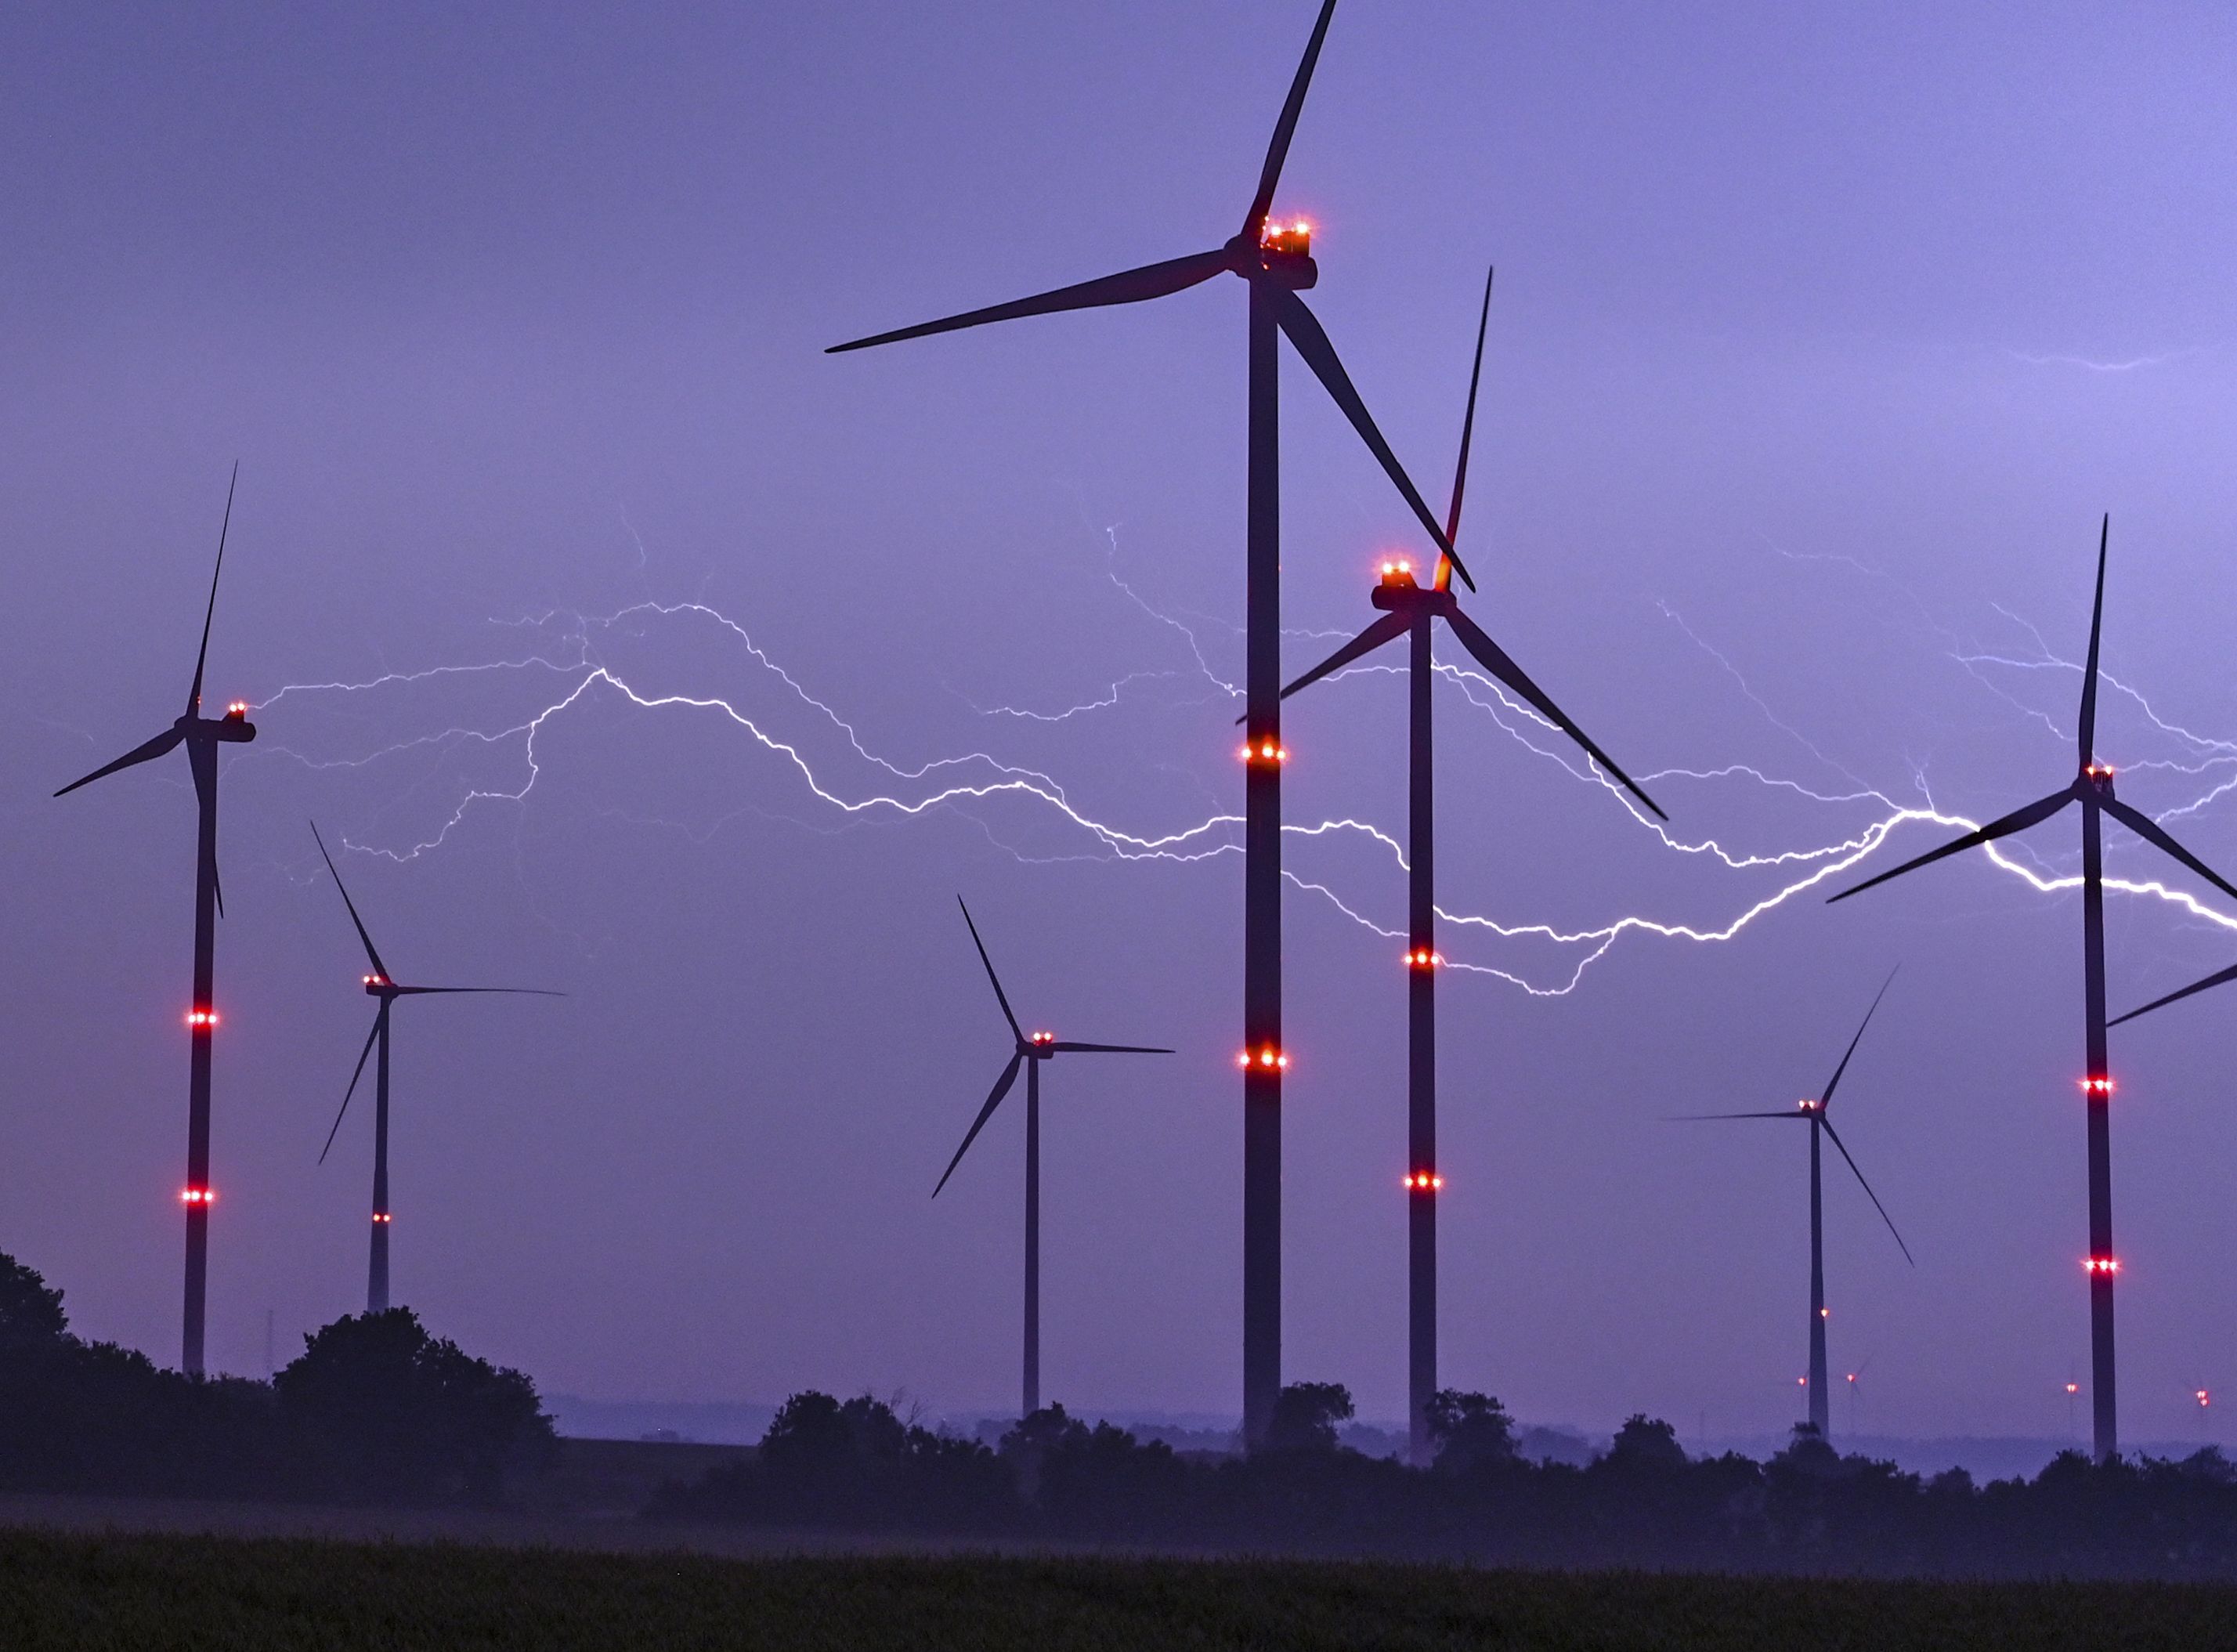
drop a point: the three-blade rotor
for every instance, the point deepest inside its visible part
(1439, 602)
(1245, 255)
(1818, 1113)
(2092, 787)
(384, 987)
(1037, 1048)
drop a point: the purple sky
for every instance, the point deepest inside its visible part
(1821, 340)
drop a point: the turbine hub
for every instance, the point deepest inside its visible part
(1281, 256)
(2098, 776)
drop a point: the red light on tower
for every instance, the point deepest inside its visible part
(1423, 958)
(238, 709)
(1421, 1181)
(2105, 1265)
(2097, 1085)
(198, 1196)
(201, 1018)
(2072, 1389)
(2203, 1401)
(1266, 1059)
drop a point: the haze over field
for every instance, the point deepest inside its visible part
(1819, 344)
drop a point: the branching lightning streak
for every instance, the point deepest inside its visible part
(978, 776)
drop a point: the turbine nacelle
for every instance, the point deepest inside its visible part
(1039, 1046)
(2096, 777)
(234, 726)
(1283, 255)
(1808, 1105)
(379, 986)
(1395, 593)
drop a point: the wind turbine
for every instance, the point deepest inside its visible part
(1274, 260)
(1031, 1050)
(201, 736)
(2092, 789)
(1818, 1110)
(1413, 612)
(382, 987)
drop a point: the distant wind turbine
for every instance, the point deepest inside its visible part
(201, 736)
(1818, 1111)
(1031, 1050)
(383, 988)
(1274, 260)
(1413, 612)
(2092, 789)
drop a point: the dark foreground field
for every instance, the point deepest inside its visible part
(74, 1590)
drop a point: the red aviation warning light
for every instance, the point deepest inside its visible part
(1397, 571)
(381, 1217)
(1422, 1181)
(1294, 237)
(238, 709)
(1423, 958)
(2203, 1401)
(2108, 1265)
(2099, 770)
(2072, 1389)
(2099, 1085)
(1265, 752)
(1809, 1106)
(201, 1018)
(198, 1196)
(1043, 1038)
(1268, 1058)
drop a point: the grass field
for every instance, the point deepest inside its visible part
(76, 1590)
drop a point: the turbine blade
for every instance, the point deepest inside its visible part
(202, 759)
(2213, 979)
(1128, 287)
(1698, 1118)
(148, 751)
(1112, 1049)
(1388, 628)
(1312, 344)
(1468, 422)
(2018, 821)
(531, 992)
(1869, 1194)
(380, 1020)
(1493, 659)
(2088, 720)
(1285, 128)
(994, 1100)
(1003, 997)
(370, 952)
(194, 695)
(1834, 1083)
(2158, 837)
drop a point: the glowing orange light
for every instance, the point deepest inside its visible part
(1852, 1376)
(2099, 771)
(199, 1196)
(1825, 1313)
(1265, 751)
(2101, 1265)
(201, 1018)
(1269, 1057)
(238, 709)
(1423, 958)
(1801, 1382)
(1421, 1181)
(2074, 1388)
(380, 1216)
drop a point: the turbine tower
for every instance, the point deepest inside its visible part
(381, 986)
(1031, 1050)
(1412, 612)
(201, 736)
(1274, 260)
(1818, 1111)
(2092, 789)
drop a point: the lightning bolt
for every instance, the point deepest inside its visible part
(576, 651)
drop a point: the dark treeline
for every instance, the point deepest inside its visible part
(855, 1465)
(374, 1411)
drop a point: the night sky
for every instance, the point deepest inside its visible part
(595, 610)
